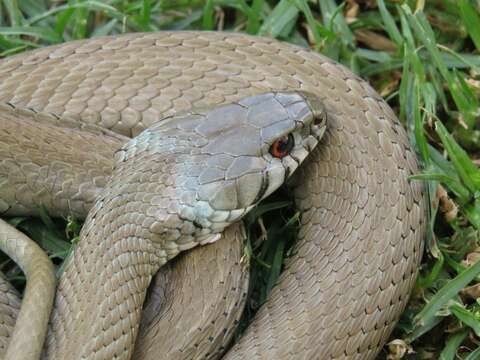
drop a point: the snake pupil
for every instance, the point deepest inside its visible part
(282, 147)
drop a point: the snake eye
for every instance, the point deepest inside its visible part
(282, 147)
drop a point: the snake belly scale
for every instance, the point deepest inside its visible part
(362, 223)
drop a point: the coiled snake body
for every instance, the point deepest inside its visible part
(65, 110)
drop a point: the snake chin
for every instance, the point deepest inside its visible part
(207, 221)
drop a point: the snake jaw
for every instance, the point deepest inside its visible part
(209, 239)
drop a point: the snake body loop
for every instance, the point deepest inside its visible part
(362, 223)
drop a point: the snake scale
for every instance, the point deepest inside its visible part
(66, 113)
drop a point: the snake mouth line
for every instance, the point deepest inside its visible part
(263, 188)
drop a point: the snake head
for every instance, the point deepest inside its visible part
(217, 164)
(254, 145)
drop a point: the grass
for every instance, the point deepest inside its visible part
(423, 57)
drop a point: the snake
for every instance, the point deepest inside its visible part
(163, 141)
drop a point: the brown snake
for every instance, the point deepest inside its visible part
(362, 223)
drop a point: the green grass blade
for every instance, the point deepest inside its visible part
(423, 31)
(465, 168)
(474, 355)
(333, 18)
(312, 23)
(373, 55)
(80, 20)
(473, 212)
(427, 281)
(105, 29)
(446, 293)
(276, 266)
(422, 329)
(13, 12)
(38, 32)
(420, 139)
(389, 23)
(63, 19)
(471, 19)
(89, 5)
(145, 14)
(30, 8)
(466, 316)
(264, 208)
(7, 43)
(208, 21)
(404, 92)
(254, 17)
(429, 97)
(460, 191)
(281, 20)
(452, 345)
(442, 163)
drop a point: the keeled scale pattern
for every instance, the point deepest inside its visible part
(196, 302)
(34, 173)
(9, 308)
(363, 225)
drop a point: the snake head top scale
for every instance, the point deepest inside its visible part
(199, 172)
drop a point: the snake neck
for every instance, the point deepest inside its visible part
(133, 229)
(111, 267)
(125, 240)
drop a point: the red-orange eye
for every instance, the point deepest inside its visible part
(282, 147)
